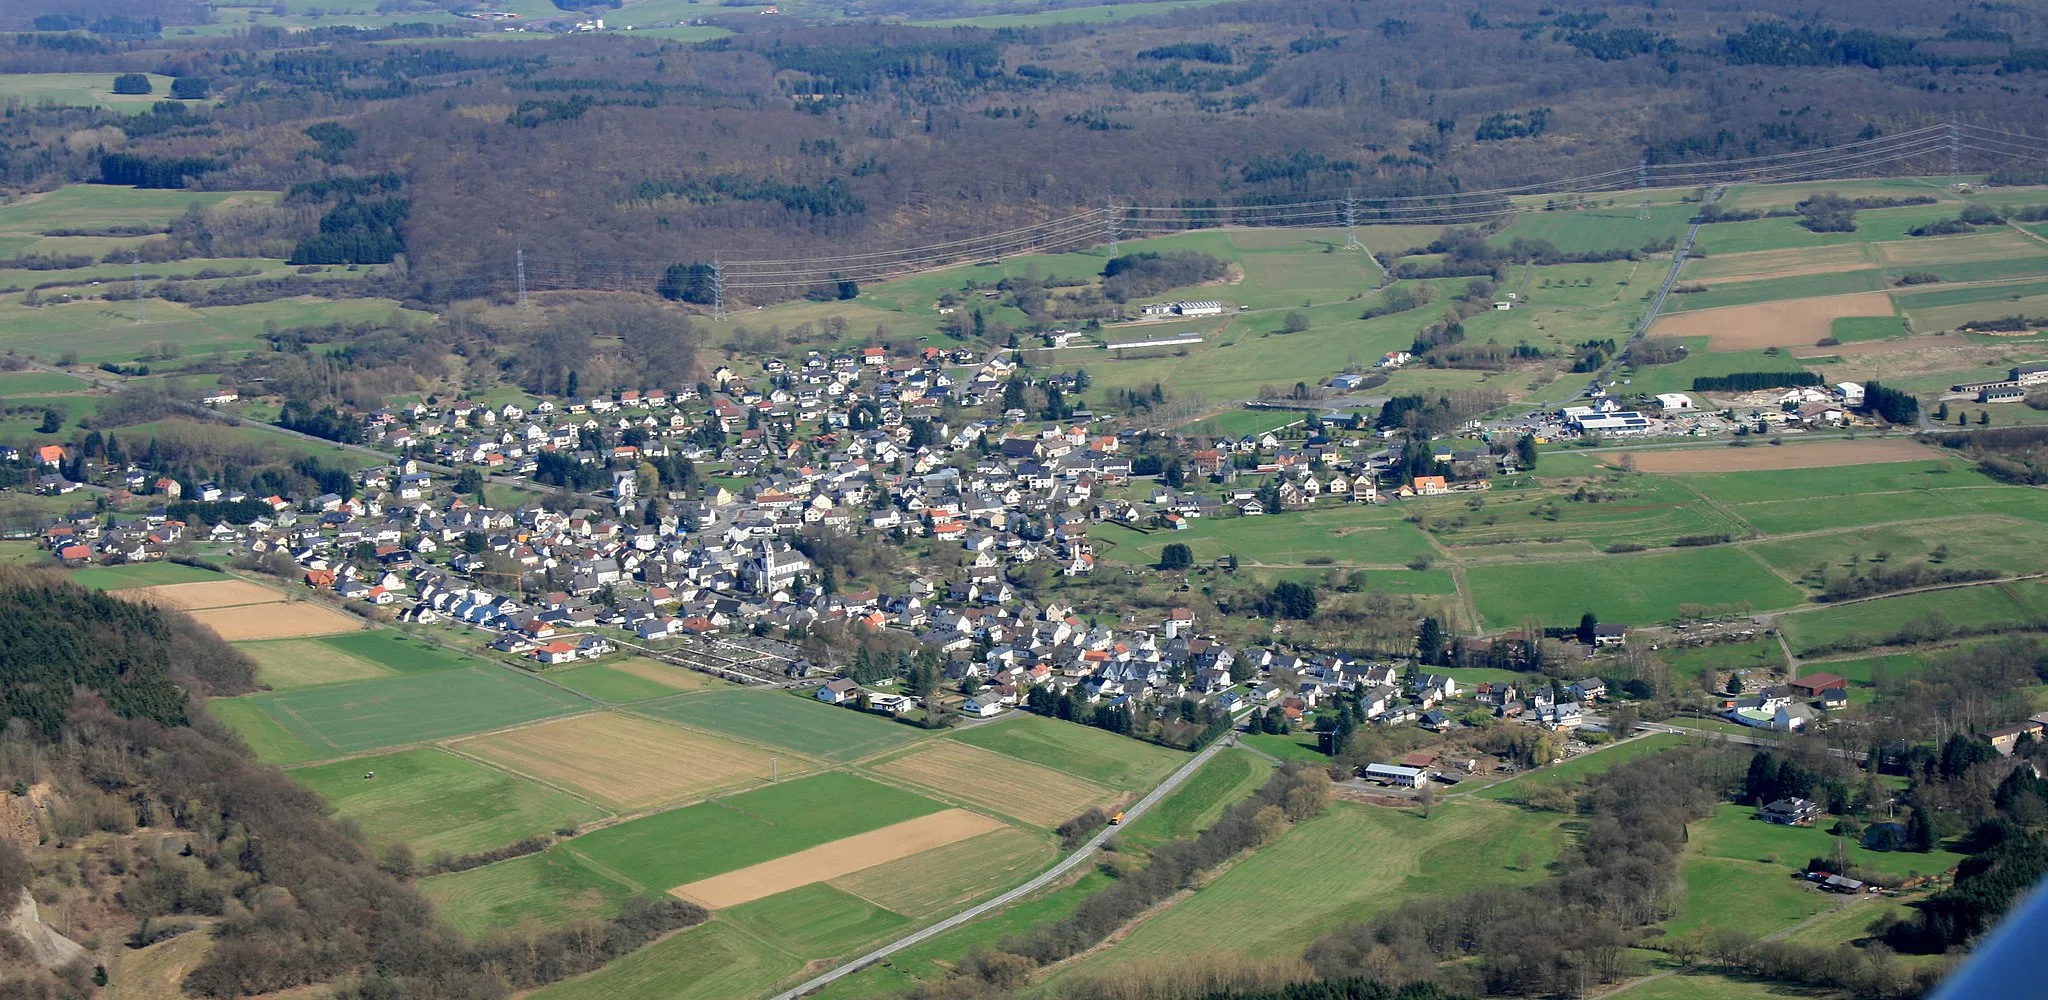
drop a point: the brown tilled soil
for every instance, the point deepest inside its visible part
(1791, 456)
(1786, 323)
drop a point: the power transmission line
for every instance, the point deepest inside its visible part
(141, 301)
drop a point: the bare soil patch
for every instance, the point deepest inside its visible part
(1792, 456)
(277, 620)
(837, 859)
(1037, 795)
(626, 761)
(1785, 323)
(205, 594)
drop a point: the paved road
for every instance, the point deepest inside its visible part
(1071, 861)
(1678, 257)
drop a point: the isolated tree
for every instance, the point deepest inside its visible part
(1176, 555)
(469, 481)
(1588, 628)
(1941, 413)
(1429, 642)
(1294, 322)
(1525, 451)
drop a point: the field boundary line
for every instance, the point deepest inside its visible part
(536, 779)
(599, 866)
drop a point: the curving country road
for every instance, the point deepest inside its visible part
(1066, 865)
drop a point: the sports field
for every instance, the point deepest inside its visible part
(1037, 795)
(338, 719)
(785, 720)
(437, 801)
(1637, 589)
(684, 845)
(627, 762)
(1082, 751)
(836, 859)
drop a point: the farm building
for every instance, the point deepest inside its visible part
(1406, 777)
(1788, 812)
(1618, 422)
(1204, 307)
(1812, 685)
(1674, 401)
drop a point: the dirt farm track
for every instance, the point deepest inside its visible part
(1818, 455)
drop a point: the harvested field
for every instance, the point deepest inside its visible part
(276, 621)
(1037, 795)
(208, 594)
(1791, 456)
(1787, 323)
(628, 762)
(948, 877)
(837, 859)
(1780, 272)
(1957, 249)
(295, 663)
(1777, 263)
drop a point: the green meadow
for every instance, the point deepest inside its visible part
(1082, 751)
(1636, 589)
(669, 849)
(434, 800)
(336, 719)
(781, 719)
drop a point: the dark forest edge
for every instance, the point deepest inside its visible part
(109, 695)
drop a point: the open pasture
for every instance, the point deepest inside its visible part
(1037, 795)
(1803, 283)
(204, 594)
(157, 972)
(946, 878)
(1082, 751)
(1777, 263)
(137, 575)
(1691, 661)
(1608, 228)
(1734, 833)
(1349, 534)
(1578, 769)
(817, 920)
(1989, 245)
(545, 889)
(286, 620)
(2007, 545)
(1878, 507)
(297, 663)
(696, 842)
(435, 801)
(836, 859)
(718, 960)
(635, 678)
(1939, 472)
(1635, 589)
(1873, 225)
(1815, 455)
(340, 719)
(1765, 197)
(37, 383)
(398, 651)
(625, 761)
(1779, 323)
(100, 331)
(1862, 330)
(1868, 623)
(1348, 864)
(1196, 805)
(1633, 510)
(780, 719)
